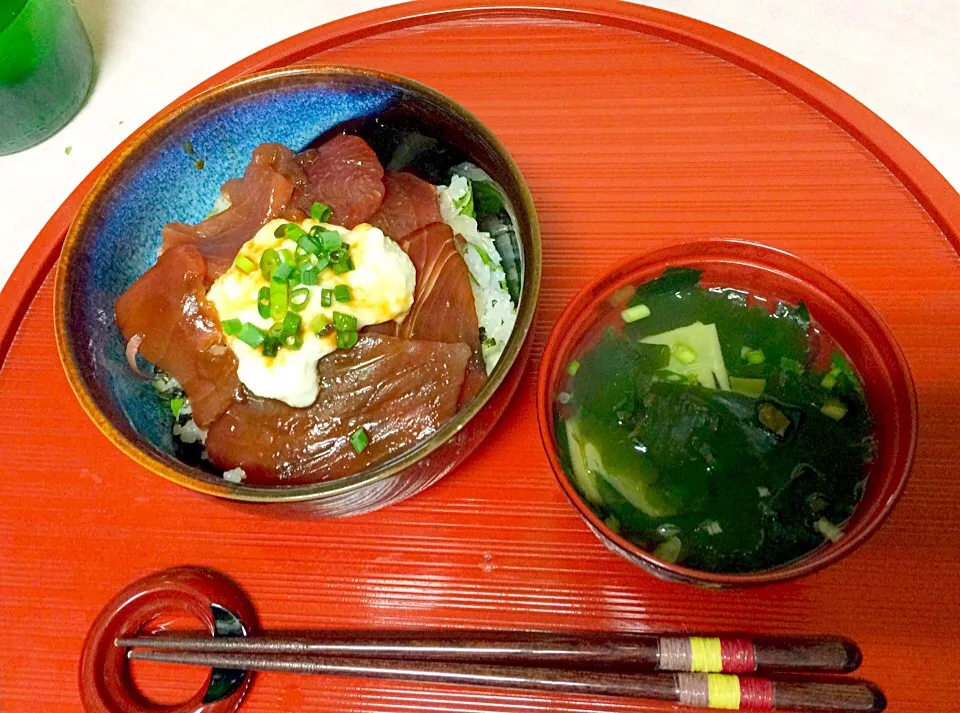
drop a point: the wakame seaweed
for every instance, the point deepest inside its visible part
(739, 479)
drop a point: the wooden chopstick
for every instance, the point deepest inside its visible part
(685, 688)
(581, 650)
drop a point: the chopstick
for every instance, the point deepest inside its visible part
(581, 650)
(692, 689)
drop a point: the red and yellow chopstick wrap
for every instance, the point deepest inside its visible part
(718, 690)
(706, 655)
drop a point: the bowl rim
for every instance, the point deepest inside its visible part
(698, 251)
(172, 469)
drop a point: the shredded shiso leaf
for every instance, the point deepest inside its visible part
(488, 252)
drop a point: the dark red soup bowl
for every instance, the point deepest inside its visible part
(840, 319)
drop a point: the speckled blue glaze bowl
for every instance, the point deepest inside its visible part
(172, 170)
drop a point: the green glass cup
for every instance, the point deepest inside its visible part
(46, 68)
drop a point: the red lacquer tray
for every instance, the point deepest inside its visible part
(634, 127)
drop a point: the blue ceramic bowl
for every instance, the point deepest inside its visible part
(172, 170)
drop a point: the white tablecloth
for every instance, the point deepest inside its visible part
(900, 58)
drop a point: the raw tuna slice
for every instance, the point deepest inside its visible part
(443, 305)
(398, 390)
(408, 205)
(345, 174)
(264, 193)
(180, 330)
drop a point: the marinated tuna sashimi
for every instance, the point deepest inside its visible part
(179, 330)
(408, 205)
(393, 391)
(443, 304)
(345, 174)
(264, 193)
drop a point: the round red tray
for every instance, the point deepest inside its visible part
(634, 128)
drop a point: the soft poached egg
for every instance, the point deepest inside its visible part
(381, 289)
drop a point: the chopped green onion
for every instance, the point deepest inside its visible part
(321, 264)
(685, 354)
(278, 297)
(573, 368)
(268, 262)
(326, 297)
(744, 351)
(756, 356)
(830, 379)
(263, 302)
(291, 324)
(245, 263)
(342, 293)
(320, 212)
(834, 408)
(251, 335)
(299, 299)
(309, 275)
(340, 261)
(359, 440)
(346, 339)
(271, 345)
(231, 326)
(344, 322)
(319, 323)
(613, 523)
(294, 278)
(175, 406)
(307, 244)
(287, 257)
(635, 313)
(282, 273)
(276, 330)
(293, 341)
(330, 240)
(290, 231)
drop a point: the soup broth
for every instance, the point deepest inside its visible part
(713, 427)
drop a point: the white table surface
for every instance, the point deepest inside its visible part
(898, 57)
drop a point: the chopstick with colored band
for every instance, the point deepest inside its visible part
(723, 691)
(714, 655)
(581, 650)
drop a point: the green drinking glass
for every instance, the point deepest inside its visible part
(46, 68)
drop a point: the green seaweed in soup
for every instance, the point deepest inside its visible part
(701, 426)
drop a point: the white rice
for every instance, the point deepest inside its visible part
(166, 385)
(234, 475)
(496, 312)
(189, 432)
